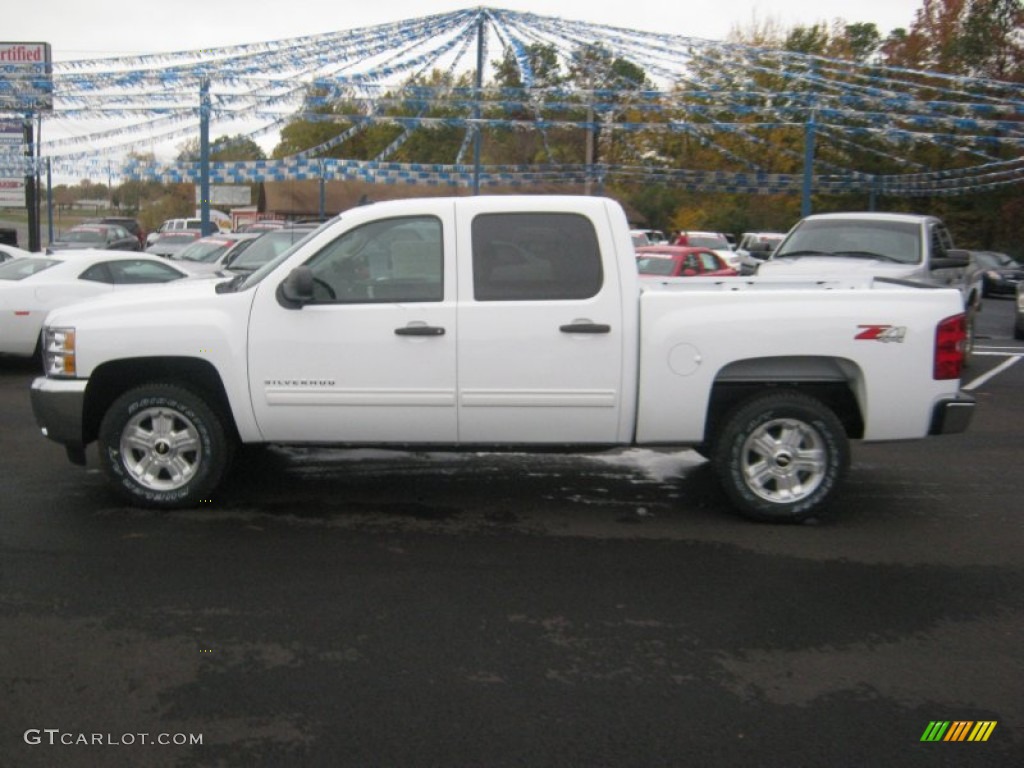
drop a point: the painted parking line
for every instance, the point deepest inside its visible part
(980, 350)
(1003, 366)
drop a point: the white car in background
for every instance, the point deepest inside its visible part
(756, 247)
(33, 285)
(175, 225)
(8, 252)
(642, 237)
(209, 255)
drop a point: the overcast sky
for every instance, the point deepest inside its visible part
(78, 29)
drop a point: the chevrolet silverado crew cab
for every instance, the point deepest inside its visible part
(896, 245)
(500, 322)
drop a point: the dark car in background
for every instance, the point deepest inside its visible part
(1000, 275)
(107, 237)
(132, 225)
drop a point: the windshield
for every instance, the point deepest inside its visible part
(267, 247)
(267, 267)
(204, 251)
(707, 241)
(898, 241)
(654, 265)
(19, 269)
(991, 260)
(85, 236)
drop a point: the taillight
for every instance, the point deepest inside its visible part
(950, 342)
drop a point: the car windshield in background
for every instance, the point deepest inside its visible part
(19, 269)
(177, 237)
(654, 266)
(203, 251)
(85, 236)
(246, 280)
(703, 241)
(267, 247)
(993, 260)
(898, 241)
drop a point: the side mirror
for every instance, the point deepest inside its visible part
(297, 289)
(954, 259)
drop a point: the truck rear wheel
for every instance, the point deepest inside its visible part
(780, 456)
(163, 446)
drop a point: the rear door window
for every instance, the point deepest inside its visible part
(535, 256)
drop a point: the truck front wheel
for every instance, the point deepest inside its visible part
(780, 456)
(163, 446)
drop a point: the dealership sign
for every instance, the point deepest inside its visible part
(12, 153)
(12, 193)
(26, 77)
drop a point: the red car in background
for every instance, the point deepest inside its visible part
(681, 261)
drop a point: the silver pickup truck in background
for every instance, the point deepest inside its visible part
(888, 245)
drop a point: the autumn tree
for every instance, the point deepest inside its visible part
(979, 38)
(223, 148)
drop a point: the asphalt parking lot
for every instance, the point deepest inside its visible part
(357, 608)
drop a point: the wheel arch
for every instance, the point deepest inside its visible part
(836, 382)
(112, 379)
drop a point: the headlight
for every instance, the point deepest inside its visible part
(59, 352)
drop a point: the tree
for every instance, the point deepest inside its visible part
(223, 148)
(863, 41)
(543, 63)
(979, 38)
(808, 40)
(991, 43)
(178, 201)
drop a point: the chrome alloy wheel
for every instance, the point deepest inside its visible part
(161, 449)
(784, 460)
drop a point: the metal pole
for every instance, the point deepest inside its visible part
(49, 201)
(589, 148)
(30, 187)
(476, 108)
(323, 191)
(805, 203)
(39, 155)
(204, 155)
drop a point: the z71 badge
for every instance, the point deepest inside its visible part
(883, 333)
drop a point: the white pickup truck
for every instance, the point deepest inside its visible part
(500, 322)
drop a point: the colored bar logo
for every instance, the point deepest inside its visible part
(959, 730)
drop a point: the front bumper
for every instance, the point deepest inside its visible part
(952, 415)
(58, 406)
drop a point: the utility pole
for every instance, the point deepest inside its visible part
(31, 203)
(476, 107)
(204, 156)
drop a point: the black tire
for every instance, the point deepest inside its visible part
(780, 456)
(162, 446)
